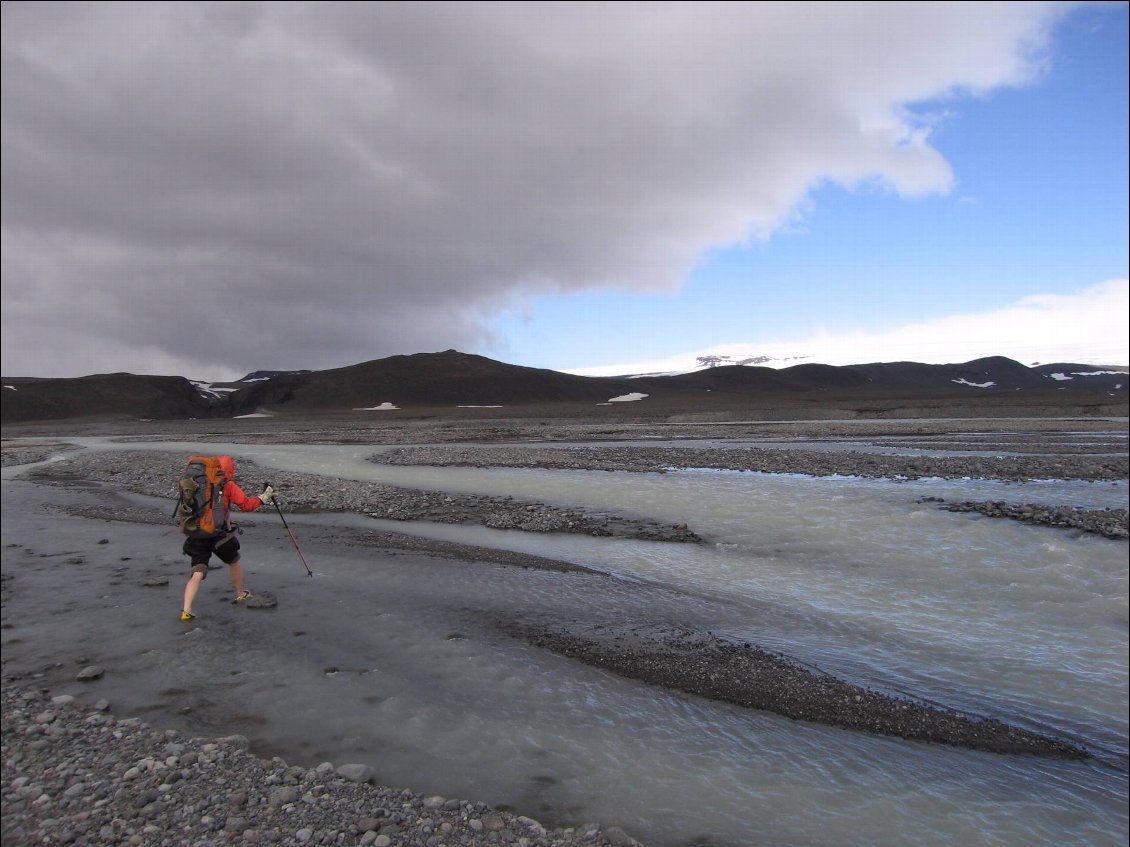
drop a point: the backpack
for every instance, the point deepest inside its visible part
(200, 492)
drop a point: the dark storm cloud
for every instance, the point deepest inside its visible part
(206, 189)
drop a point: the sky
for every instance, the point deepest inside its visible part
(209, 189)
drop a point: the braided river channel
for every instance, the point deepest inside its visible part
(390, 659)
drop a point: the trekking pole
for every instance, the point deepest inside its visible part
(290, 532)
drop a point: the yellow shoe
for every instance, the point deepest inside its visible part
(242, 597)
(187, 616)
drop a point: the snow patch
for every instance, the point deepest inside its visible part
(974, 384)
(208, 391)
(1062, 377)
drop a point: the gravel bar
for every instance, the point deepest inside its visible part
(154, 474)
(742, 674)
(768, 460)
(78, 776)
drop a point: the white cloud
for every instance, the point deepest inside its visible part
(1090, 327)
(336, 182)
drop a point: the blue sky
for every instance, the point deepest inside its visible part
(1038, 206)
(604, 188)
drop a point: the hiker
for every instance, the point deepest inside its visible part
(223, 540)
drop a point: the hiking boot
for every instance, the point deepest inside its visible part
(242, 597)
(187, 616)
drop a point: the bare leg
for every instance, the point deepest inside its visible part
(236, 577)
(190, 590)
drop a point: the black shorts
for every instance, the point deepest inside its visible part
(200, 550)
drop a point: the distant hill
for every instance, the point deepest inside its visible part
(102, 396)
(440, 383)
(450, 378)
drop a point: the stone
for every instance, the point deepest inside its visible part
(262, 600)
(356, 772)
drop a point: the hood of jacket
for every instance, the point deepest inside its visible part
(227, 463)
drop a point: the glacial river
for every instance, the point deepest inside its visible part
(863, 578)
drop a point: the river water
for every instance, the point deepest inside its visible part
(863, 578)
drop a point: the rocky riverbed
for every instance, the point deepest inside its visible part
(148, 473)
(1110, 523)
(75, 775)
(154, 474)
(864, 463)
(72, 776)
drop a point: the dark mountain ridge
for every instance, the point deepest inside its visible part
(100, 396)
(441, 383)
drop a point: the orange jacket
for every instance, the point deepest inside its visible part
(233, 494)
